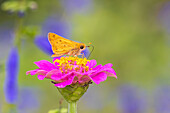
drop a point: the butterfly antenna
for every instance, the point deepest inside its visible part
(91, 50)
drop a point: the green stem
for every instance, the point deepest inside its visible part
(72, 107)
(18, 31)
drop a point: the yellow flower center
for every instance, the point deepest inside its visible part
(72, 63)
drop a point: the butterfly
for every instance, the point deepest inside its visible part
(62, 46)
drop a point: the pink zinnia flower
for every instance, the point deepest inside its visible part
(71, 70)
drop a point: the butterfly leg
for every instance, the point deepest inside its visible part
(83, 55)
(67, 55)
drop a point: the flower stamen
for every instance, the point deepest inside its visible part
(68, 63)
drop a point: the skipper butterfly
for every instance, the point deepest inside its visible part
(62, 46)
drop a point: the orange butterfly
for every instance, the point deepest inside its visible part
(62, 46)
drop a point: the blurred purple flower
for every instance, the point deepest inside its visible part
(43, 44)
(28, 101)
(162, 99)
(11, 79)
(164, 16)
(79, 6)
(131, 101)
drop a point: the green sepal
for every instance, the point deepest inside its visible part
(74, 92)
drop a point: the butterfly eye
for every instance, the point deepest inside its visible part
(81, 47)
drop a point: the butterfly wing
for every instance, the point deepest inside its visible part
(62, 46)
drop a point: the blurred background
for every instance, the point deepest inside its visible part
(133, 35)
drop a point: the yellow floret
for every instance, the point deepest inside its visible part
(67, 63)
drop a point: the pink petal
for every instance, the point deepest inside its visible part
(109, 65)
(45, 65)
(99, 77)
(110, 74)
(54, 74)
(32, 72)
(97, 67)
(94, 70)
(56, 63)
(69, 75)
(66, 82)
(91, 64)
(84, 79)
(41, 74)
(106, 68)
(41, 77)
(110, 70)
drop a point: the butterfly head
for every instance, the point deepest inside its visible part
(82, 46)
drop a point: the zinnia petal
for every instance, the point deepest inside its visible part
(106, 68)
(110, 72)
(84, 79)
(66, 82)
(55, 74)
(32, 72)
(45, 65)
(91, 64)
(109, 65)
(41, 77)
(41, 74)
(97, 67)
(99, 77)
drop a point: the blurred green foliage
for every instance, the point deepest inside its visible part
(15, 6)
